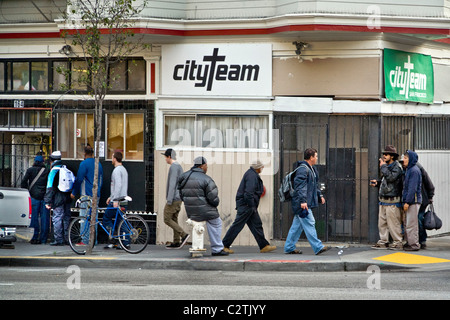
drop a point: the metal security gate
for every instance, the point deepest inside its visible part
(345, 144)
(294, 139)
(17, 154)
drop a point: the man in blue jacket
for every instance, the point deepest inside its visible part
(306, 197)
(84, 184)
(412, 198)
(58, 201)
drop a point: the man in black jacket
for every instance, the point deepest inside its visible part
(35, 180)
(389, 215)
(201, 199)
(247, 201)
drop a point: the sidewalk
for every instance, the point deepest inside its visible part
(341, 257)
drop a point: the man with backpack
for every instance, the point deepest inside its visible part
(57, 197)
(305, 197)
(35, 180)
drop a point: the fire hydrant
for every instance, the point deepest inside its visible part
(198, 230)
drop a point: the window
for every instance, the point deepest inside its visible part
(59, 78)
(20, 76)
(125, 133)
(84, 132)
(37, 76)
(2, 77)
(217, 131)
(65, 134)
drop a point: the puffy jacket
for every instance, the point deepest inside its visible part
(412, 186)
(306, 187)
(391, 182)
(199, 194)
(40, 186)
(250, 190)
(53, 196)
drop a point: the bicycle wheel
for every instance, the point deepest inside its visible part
(133, 234)
(79, 235)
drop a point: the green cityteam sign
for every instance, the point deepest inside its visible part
(408, 76)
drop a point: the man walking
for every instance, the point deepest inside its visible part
(173, 204)
(58, 201)
(247, 201)
(201, 198)
(35, 180)
(412, 198)
(389, 195)
(306, 197)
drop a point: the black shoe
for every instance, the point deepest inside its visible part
(55, 243)
(221, 253)
(173, 246)
(35, 241)
(323, 250)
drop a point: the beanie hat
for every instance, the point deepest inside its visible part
(56, 155)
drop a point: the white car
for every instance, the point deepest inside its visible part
(15, 212)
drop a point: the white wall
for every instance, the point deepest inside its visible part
(437, 164)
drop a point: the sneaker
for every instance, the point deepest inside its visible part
(55, 243)
(108, 246)
(296, 251)
(268, 248)
(80, 244)
(396, 247)
(380, 246)
(173, 246)
(323, 250)
(228, 250)
(409, 248)
(221, 253)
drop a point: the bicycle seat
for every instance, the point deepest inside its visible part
(126, 198)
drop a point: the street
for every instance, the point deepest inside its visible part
(74, 283)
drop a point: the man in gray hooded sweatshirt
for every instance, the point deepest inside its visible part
(173, 204)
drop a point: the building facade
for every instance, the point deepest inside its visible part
(243, 80)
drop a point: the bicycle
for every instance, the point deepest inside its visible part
(132, 231)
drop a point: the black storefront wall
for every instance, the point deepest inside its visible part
(140, 173)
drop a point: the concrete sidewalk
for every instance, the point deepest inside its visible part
(341, 257)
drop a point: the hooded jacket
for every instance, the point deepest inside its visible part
(412, 185)
(53, 196)
(199, 194)
(306, 187)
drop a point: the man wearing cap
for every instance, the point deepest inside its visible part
(58, 201)
(201, 199)
(389, 195)
(35, 180)
(173, 204)
(247, 201)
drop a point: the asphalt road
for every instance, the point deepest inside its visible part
(105, 284)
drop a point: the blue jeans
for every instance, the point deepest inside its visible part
(299, 225)
(40, 220)
(84, 210)
(109, 215)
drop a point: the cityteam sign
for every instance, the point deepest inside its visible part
(408, 76)
(222, 69)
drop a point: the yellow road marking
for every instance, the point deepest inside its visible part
(408, 258)
(53, 257)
